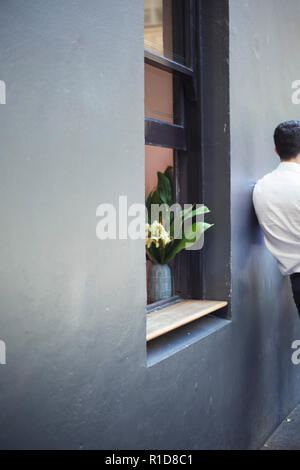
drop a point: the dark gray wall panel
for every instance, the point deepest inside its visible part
(264, 39)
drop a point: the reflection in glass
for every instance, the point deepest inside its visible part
(165, 29)
(153, 32)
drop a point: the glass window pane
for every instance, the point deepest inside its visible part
(165, 29)
(156, 159)
(158, 94)
(162, 90)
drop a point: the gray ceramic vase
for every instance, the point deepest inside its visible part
(159, 282)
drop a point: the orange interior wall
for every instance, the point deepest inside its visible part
(158, 105)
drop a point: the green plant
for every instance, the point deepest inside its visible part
(162, 245)
(163, 193)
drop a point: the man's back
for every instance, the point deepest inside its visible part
(276, 198)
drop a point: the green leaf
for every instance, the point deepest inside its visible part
(163, 193)
(148, 200)
(164, 188)
(187, 214)
(154, 254)
(148, 206)
(192, 235)
(178, 221)
(169, 172)
(155, 197)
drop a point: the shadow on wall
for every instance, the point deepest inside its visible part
(247, 233)
(263, 304)
(256, 236)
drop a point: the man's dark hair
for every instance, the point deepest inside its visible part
(287, 139)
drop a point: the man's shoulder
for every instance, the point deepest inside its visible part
(264, 186)
(268, 177)
(277, 186)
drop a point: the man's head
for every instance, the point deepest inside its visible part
(287, 140)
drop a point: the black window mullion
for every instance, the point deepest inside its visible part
(167, 64)
(163, 134)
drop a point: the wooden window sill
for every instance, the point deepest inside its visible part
(169, 318)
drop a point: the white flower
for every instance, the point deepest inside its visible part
(156, 233)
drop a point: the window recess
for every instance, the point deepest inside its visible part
(173, 126)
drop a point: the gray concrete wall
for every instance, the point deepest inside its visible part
(264, 38)
(72, 307)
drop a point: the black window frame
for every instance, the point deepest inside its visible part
(159, 133)
(203, 169)
(185, 139)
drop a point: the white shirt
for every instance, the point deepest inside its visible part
(276, 199)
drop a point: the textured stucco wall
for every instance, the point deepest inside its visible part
(264, 38)
(71, 138)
